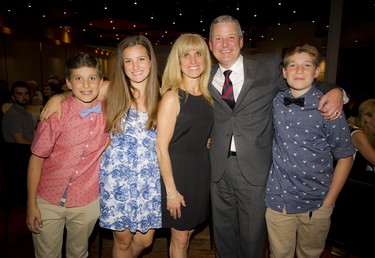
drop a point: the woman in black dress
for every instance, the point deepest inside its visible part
(184, 123)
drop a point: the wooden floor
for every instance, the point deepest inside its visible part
(18, 243)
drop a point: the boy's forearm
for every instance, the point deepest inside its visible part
(340, 176)
(33, 178)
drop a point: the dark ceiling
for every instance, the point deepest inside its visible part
(105, 22)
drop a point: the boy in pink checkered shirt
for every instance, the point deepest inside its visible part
(63, 174)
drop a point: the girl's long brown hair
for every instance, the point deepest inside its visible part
(120, 94)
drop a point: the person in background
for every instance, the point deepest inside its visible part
(362, 128)
(303, 182)
(63, 173)
(241, 150)
(5, 97)
(49, 89)
(36, 100)
(185, 119)
(18, 124)
(5, 94)
(130, 197)
(36, 97)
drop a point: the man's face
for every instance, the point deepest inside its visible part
(21, 96)
(225, 43)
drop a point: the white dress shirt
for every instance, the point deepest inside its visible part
(237, 78)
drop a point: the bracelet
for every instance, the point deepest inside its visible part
(174, 197)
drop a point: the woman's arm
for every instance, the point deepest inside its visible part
(168, 110)
(103, 91)
(54, 105)
(362, 144)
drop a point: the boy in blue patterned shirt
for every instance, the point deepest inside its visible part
(303, 183)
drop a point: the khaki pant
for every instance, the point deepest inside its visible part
(302, 234)
(79, 223)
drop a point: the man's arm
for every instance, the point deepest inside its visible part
(331, 104)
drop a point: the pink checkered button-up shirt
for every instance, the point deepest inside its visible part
(72, 149)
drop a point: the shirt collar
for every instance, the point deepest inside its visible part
(236, 67)
(19, 108)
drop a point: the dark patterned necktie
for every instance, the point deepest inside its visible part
(227, 93)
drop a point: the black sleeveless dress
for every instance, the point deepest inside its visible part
(190, 162)
(362, 169)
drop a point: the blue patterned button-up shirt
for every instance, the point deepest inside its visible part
(304, 148)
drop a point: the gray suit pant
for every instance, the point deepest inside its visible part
(238, 215)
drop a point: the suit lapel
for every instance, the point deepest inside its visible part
(216, 95)
(250, 67)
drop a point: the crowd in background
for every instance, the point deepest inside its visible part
(131, 79)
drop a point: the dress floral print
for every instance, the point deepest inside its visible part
(130, 178)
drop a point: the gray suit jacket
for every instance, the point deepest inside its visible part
(250, 120)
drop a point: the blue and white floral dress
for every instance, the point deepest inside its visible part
(130, 195)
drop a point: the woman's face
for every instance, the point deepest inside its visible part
(137, 64)
(192, 63)
(370, 120)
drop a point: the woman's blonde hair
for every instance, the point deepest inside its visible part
(365, 109)
(120, 95)
(172, 76)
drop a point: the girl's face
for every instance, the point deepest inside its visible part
(137, 64)
(370, 120)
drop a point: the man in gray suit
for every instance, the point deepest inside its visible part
(242, 139)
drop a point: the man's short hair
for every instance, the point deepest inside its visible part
(19, 84)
